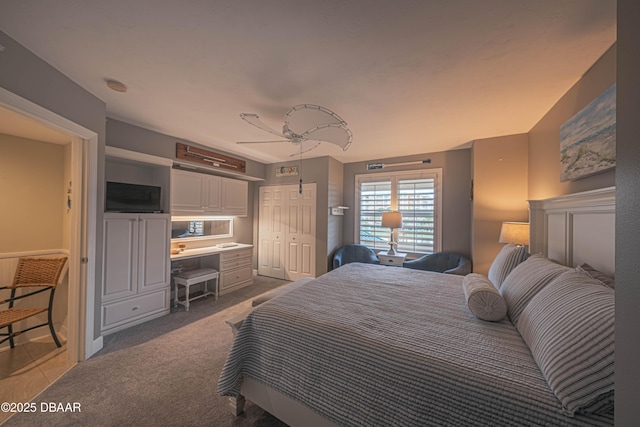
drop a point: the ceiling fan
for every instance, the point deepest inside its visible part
(306, 126)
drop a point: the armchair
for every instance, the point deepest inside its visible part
(354, 253)
(441, 262)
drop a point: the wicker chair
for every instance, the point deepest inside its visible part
(41, 273)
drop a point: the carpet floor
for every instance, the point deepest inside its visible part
(160, 373)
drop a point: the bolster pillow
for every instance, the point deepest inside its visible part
(483, 299)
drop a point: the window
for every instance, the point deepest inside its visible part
(417, 194)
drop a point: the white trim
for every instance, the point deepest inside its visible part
(81, 298)
(121, 153)
(6, 255)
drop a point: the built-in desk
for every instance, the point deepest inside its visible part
(235, 264)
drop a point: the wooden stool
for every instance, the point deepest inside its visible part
(194, 277)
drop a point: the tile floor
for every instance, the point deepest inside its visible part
(28, 369)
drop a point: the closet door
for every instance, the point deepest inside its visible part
(300, 236)
(271, 232)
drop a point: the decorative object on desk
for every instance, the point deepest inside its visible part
(305, 126)
(209, 158)
(182, 247)
(175, 251)
(514, 232)
(588, 139)
(392, 219)
(287, 171)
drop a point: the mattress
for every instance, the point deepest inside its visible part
(370, 345)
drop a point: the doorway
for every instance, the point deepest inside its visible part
(82, 222)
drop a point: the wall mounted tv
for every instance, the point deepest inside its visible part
(123, 197)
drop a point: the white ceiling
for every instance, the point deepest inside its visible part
(408, 76)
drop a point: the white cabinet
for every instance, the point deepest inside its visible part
(235, 267)
(234, 197)
(195, 193)
(135, 269)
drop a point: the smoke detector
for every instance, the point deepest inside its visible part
(116, 85)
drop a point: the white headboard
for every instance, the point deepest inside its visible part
(576, 228)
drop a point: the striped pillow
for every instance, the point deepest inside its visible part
(569, 327)
(507, 259)
(526, 280)
(598, 275)
(483, 299)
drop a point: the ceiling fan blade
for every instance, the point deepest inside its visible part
(335, 134)
(305, 146)
(261, 142)
(305, 117)
(254, 119)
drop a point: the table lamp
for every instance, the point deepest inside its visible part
(392, 219)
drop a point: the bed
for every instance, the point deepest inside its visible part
(368, 345)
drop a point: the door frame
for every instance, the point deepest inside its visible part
(82, 250)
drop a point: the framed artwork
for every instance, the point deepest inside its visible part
(588, 139)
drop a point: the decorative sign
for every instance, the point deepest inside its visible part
(374, 166)
(287, 171)
(209, 158)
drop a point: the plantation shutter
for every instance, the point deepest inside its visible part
(375, 198)
(416, 202)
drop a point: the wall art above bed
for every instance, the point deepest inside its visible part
(588, 139)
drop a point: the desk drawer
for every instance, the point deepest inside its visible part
(231, 264)
(231, 278)
(237, 254)
(131, 308)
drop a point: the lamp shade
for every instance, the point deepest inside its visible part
(514, 232)
(392, 219)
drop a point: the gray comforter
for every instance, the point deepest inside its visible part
(369, 345)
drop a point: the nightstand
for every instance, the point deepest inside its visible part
(395, 260)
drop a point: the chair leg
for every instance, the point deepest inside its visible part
(11, 343)
(50, 318)
(10, 327)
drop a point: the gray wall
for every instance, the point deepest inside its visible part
(627, 215)
(544, 137)
(456, 203)
(134, 138)
(26, 75)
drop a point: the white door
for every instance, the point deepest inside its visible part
(300, 237)
(271, 233)
(120, 256)
(154, 253)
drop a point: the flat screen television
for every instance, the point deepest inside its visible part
(133, 198)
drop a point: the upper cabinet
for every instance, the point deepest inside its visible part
(234, 197)
(194, 193)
